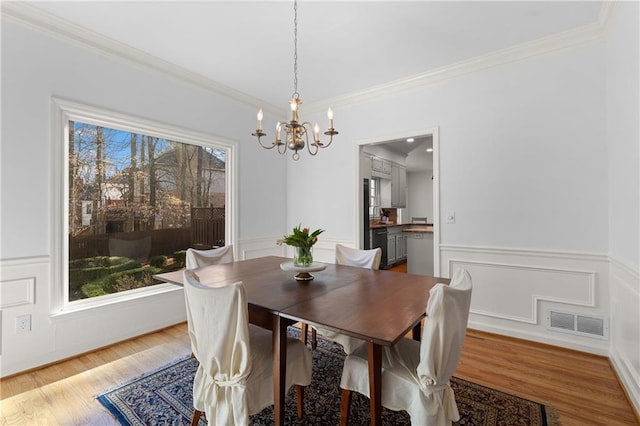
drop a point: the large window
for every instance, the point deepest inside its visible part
(136, 198)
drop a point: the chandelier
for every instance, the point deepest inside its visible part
(296, 134)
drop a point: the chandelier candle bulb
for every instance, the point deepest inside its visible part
(316, 131)
(330, 117)
(260, 119)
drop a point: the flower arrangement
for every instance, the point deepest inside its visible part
(303, 241)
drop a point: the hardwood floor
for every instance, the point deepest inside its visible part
(582, 388)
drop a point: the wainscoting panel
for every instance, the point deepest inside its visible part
(494, 281)
(625, 327)
(513, 289)
(26, 287)
(18, 292)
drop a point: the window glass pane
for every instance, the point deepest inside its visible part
(136, 203)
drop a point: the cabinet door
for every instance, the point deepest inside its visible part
(376, 164)
(391, 249)
(394, 186)
(402, 187)
(366, 167)
(401, 247)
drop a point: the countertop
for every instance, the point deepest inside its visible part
(386, 225)
(420, 229)
(413, 227)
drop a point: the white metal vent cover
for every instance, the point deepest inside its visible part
(578, 324)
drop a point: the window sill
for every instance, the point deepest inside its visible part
(109, 301)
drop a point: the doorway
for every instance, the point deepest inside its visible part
(400, 142)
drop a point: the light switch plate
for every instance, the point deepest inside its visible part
(451, 217)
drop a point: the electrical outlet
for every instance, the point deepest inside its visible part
(451, 217)
(23, 323)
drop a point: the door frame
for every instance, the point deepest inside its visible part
(434, 132)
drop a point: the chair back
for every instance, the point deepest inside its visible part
(368, 259)
(218, 326)
(199, 258)
(444, 330)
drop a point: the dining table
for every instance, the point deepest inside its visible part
(379, 307)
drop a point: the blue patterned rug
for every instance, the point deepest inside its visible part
(164, 397)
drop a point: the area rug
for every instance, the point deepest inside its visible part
(164, 397)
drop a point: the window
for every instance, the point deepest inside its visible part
(374, 195)
(137, 195)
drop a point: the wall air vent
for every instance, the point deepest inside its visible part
(578, 324)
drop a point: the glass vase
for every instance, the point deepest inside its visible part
(302, 256)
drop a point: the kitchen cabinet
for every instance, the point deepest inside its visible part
(398, 186)
(366, 166)
(391, 249)
(381, 167)
(396, 245)
(401, 247)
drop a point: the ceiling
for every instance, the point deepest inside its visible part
(343, 46)
(245, 48)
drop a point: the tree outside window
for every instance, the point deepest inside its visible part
(136, 203)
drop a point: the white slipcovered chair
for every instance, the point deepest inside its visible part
(235, 376)
(415, 375)
(199, 258)
(367, 259)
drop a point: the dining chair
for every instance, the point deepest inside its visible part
(198, 258)
(367, 259)
(419, 219)
(235, 377)
(415, 375)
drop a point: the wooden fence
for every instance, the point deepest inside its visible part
(163, 242)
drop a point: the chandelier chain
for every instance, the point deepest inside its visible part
(297, 133)
(295, 50)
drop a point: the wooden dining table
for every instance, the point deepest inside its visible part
(379, 307)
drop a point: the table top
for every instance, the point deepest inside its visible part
(377, 306)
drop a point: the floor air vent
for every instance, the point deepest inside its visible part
(582, 325)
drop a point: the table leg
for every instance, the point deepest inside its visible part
(417, 331)
(279, 367)
(375, 383)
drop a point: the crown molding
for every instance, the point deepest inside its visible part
(60, 28)
(554, 43)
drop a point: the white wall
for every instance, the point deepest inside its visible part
(513, 138)
(420, 198)
(35, 67)
(624, 186)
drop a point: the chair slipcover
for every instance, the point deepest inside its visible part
(415, 375)
(235, 376)
(368, 259)
(217, 256)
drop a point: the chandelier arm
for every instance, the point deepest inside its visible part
(281, 152)
(273, 144)
(306, 137)
(329, 143)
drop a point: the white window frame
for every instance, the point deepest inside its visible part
(64, 111)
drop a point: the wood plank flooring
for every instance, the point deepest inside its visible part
(582, 388)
